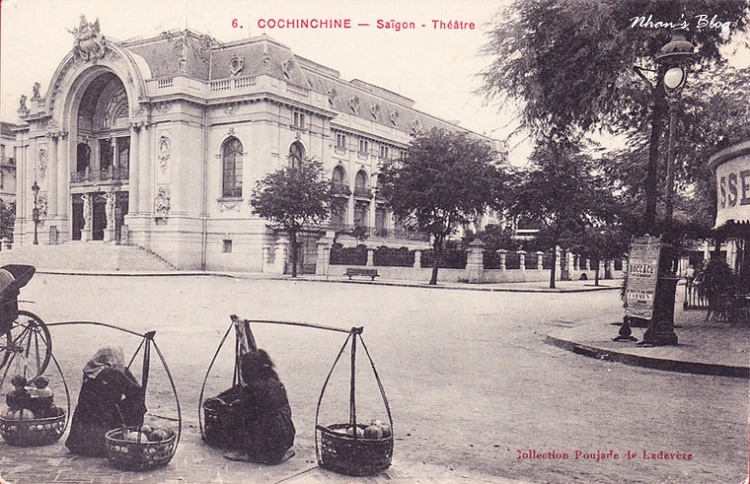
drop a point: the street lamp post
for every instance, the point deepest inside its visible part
(673, 60)
(35, 211)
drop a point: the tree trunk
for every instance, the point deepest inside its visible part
(293, 243)
(650, 182)
(437, 248)
(596, 273)
(552, 271)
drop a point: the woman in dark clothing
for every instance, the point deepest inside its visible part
(110, 397)
(267, 429)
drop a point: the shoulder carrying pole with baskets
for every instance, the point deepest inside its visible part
(221, 415)
(354, 448)
(139, 448)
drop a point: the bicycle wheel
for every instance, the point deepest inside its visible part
(26, 348)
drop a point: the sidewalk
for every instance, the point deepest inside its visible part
(704, 347)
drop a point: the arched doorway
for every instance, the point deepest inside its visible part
(102, 160)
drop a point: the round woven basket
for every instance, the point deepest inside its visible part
(352, 456)
(30, 432)
(138, 456)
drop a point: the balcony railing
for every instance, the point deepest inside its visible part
(362, 192)
(340, 189)
(121, 173)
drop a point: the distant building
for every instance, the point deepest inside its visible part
(158, 142)
(7, 161)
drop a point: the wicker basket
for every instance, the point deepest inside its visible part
(31, 432)
(223, 418)
(138, 456)
(352, 456)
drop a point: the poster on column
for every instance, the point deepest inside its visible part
(643, 269)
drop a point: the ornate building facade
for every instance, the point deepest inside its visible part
(158, 143)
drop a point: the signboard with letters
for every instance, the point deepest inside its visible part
(643, 270)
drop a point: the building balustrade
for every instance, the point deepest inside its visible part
(363, 192)
(340, 189)
(121, 173)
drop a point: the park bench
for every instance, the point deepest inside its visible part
(357, 271)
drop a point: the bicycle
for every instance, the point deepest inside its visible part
(25, 342)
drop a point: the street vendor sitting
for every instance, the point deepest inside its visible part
(268, 432)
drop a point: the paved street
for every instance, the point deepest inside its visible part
(474, 389)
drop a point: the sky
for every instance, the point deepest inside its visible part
(435, 67)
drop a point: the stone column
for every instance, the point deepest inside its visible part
(53, 173)
(539, 260)
(417, 259)
(475, 261)
(587, 264)
(133, 170)
(521, 259)
(280, 254)
(64, 202)
(370, 257)
(324, 257)
(503, 254)
(145, 200)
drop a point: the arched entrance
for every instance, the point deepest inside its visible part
(99, 184)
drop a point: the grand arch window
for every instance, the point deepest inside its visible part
(231, 155)
(296, 154)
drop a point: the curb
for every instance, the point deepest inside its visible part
(650, 362)
(467, 287)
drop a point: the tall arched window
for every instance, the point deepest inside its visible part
(296, 154)
(231, 153)
(360, 181)
(339, 176)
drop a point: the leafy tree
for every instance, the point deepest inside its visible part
(570, 64)
(7, 218)
(293, 197)
(602, 243)
(446, 180)
(561, 192)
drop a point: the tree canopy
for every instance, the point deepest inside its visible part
(562, 191)
(571, 64)
(447, 179)
(293, 197)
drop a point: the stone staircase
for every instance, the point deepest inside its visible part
(88, 256)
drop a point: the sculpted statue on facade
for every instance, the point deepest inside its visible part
(109, 208)
(89, 43)
(37, 87)
(86, 210)
(22, 103)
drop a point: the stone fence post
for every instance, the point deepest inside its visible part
(370, 257)
(417, 259)
(475, 261)
(540, 260)
(324, 257)
(502, 253)
(280, 255)
(521, 259)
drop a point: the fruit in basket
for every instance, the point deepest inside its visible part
(12, 414)
(157, 435)
(374, 432)
(135, 437)
(351, 430)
